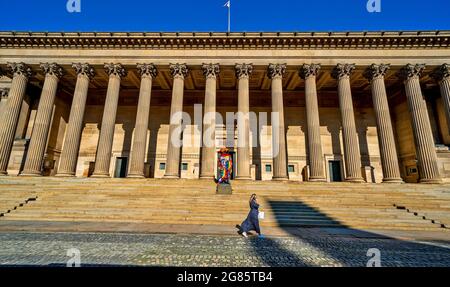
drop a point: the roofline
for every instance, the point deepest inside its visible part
(223, 40)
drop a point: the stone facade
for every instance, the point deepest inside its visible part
(362, 107)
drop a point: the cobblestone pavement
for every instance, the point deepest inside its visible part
(112, 249)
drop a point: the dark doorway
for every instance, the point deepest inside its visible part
(121, 167)
(335, 171)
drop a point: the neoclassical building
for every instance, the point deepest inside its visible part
(357, 106)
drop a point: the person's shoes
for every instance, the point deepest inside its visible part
(245, 234)
(261, 236)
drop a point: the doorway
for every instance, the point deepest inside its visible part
(121, 167)
(335, 171)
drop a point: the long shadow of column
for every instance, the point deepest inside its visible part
(334, 240)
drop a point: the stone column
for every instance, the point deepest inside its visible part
(275, 72)
(388, 151)
(352, 154)
(69, 154)
(11, 111)
(442, 76)
(104, 148)
(309, 74)
(38, 142)
(137, 162)
(208, 164)
(179, 73)
(243, 73)
(423, 136)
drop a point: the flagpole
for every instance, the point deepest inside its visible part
(229, 17)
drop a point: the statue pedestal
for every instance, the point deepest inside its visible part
(224, 188)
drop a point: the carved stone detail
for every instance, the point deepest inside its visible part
(376, 71)
(440, 73)
(276, 70)
(243, 70)
(411, 71)
(309, 70)
(84, 69)
(343, 70)
(179, 70)
(211, 70)
(4, 93)
(52, 69)
(116, 69)
(20, 69)
(149, 70)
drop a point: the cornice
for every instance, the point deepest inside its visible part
(252, 40)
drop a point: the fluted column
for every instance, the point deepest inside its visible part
(38, 142)
(208, 164)
(388, 151)
(179, 73)
(69, 154)
(104, 148)
(275, 73)
(352, 154)
(309, 74)
(11, 112)
(442, 76)
(243, 73)
(423, 136)
(137, 163)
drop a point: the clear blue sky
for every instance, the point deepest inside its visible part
(210, 15)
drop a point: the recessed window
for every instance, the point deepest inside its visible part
(291, 168)
(412, 170)
(268, 168)
(162, 166)
(184, 166)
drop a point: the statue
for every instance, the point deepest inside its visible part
(225, 170)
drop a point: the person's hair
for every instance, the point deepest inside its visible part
(252, 196)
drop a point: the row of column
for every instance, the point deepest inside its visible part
(426, 155)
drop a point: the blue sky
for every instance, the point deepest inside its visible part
(210, 15)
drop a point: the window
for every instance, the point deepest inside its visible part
(291, 168)
(184, 166)
(162, 166)
(268, 168)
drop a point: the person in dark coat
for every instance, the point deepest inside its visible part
(252, 221)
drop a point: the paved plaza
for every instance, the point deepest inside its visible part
(310, 247)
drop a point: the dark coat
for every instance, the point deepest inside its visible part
(252, 221)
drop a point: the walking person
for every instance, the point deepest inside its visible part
(252, 221)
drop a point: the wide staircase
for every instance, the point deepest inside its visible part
(286, 204)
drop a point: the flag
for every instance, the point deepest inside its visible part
(228, 4)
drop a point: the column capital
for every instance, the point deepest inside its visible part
(243, 70)
(52, 69)
(309, 70)
(411, 71)
(148, 70)
(84, 69)
(211, 70)
(376, 71)
(343, 70)
(20, 69)
(116, 70)
(179, 70)
(441, 73)
(4, 93)
(276, 70)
